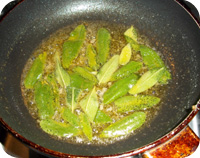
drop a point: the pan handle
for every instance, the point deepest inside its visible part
(180, 146)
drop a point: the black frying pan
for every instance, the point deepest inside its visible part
(164, 22)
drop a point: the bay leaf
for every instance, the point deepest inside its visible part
(147, 80)
(108, 69)
(61, 75)
(139, 102)
(90, 104)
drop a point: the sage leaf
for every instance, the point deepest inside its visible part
(61, 75)
(35, 72)
(70, 117)
(85, 73)
(152, 60)
(91, 56)
(44, 99)
(59, 129)
(73, 95)
(102, 117)
(126, 70)
(103, 45)
(131, 33)
(52, 82)
(108, 69)
(147, 80)
(119, 88)
(86, 127)
(125, 55)
(139, 102)
(124, 126)
(79, 82)
(131, 37)
(72, 46)
(90, 104)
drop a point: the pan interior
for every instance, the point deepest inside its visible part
(176, 38)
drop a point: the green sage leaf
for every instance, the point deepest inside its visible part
(153, 60)
(91, 56)
(90, 104)
(132, 38)
(108, 69)
(147, 80)
(119, 89)
(85, 73)
(70, 117)
(72, 46)
(59, 129)
(103, 45)
(73, 94)
(139, 102)
(126, 70)
(79, 82)
(61, 75)
(86, 127)
(35, 72)
(44, 99)
(102, 117)
(124, 126)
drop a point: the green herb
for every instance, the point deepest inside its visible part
(52, 82)
(147, 80)
(85, 73)
(124, 126)
(72, 97)
(108, 69)
(126, 70)
(62, 76)
(70, 117)
(86, 127)
(153, 60)
(132, 38)
(103, 45)
(91, 56)
(139, 102)
(125, 55)
(79, 82)
(72, 46)
(102, 117)
(119, 89)
(35, 72)
(44, 99)
(58, 128)
(90, 104)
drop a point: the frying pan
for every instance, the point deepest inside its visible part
(170, 28)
